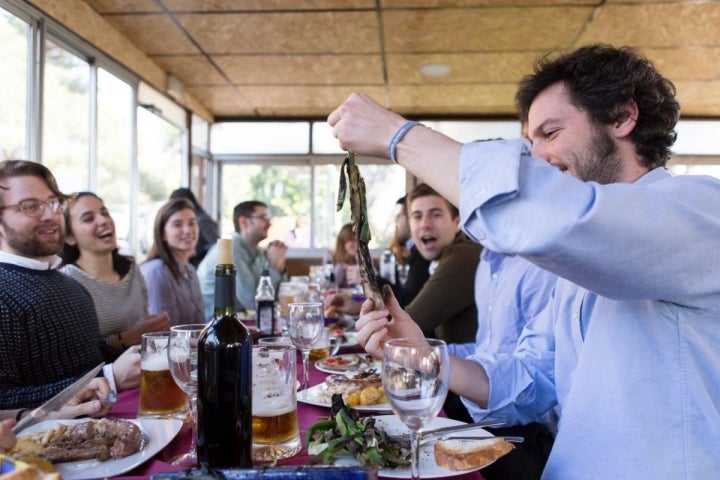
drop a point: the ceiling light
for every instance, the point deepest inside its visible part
(435, 70)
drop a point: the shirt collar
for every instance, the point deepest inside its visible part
(19, 260)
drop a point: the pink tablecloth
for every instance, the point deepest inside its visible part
(126, 407)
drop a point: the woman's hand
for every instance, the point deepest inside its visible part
(126, 369)
(374, 328)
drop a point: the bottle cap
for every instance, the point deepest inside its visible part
(225, 256)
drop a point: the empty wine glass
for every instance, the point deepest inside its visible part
(182, 359)
(415, 376)
(305, 324)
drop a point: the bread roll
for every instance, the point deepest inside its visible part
(470, 454)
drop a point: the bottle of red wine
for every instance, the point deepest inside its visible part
(224, 413)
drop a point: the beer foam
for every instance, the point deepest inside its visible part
(273, 406)
(155, 363)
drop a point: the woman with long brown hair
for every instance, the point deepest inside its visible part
(172, 282)
(91, 256)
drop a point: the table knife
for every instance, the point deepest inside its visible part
(58, 401)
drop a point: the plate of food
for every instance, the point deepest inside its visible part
(95, 448)
(443, 458)
(390, 451)
(349, 363)
(364, 392)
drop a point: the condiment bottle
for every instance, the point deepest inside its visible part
(265, 305)
(224, 410)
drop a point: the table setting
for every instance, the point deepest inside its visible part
(414, 396)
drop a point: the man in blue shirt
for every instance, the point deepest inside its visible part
(252, 222)
(627, 349)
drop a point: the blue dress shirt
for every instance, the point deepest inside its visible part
(629, 347)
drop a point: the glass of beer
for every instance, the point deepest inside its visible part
(326, 345)
(275, 432)
(160, 396)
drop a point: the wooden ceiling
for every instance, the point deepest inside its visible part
(294, 58)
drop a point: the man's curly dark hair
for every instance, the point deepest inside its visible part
(600, 80)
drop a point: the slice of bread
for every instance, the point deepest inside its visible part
(470, 454)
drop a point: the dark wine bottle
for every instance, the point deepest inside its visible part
(224, 410)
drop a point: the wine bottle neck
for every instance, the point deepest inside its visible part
(224, 289)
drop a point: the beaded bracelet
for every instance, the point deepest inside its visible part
(397, 137)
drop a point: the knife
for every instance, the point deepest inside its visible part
(58, 401)
(436, 433)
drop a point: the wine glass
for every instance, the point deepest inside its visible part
(182, 359)
(305, 325)
(416, 373)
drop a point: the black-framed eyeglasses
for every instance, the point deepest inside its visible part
(33, 207)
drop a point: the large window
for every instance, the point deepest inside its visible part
(302, 200)
(159, 170)
(115, 106)
(13, 85)
(66, 120)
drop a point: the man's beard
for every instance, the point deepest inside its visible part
(599, 162)
(28, 245)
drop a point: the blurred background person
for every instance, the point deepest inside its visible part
(252, 221)
(413, 269)
(171, 280)
(90, 256)
(344, 257)
(208, 228)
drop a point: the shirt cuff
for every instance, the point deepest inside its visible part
(108, 373)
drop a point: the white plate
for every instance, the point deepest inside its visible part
(159, 434)
(376, 364)
(315, 397)
(427, 467)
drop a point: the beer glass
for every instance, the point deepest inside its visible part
(160, 397)
(326, 346)
(275, 431)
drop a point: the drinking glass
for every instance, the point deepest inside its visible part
(305, 325)
(182, 359)
(275, 431)
(415, 376)
(160, 396)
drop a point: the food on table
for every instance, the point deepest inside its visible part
(361, 227)
(365, 388)
(346, 433)
(348, 363)
(469, 454)
(102, 439)
(14, 469)
(366, 396)
(341, 364)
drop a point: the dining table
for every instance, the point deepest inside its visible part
(308, 414)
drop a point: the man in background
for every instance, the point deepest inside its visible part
(408, 258)
(251, 220)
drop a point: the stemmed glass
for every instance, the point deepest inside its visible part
(305, 325)
(415, 375)
(182, 359)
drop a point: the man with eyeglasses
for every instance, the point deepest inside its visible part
(251, 220)
(48, 325)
